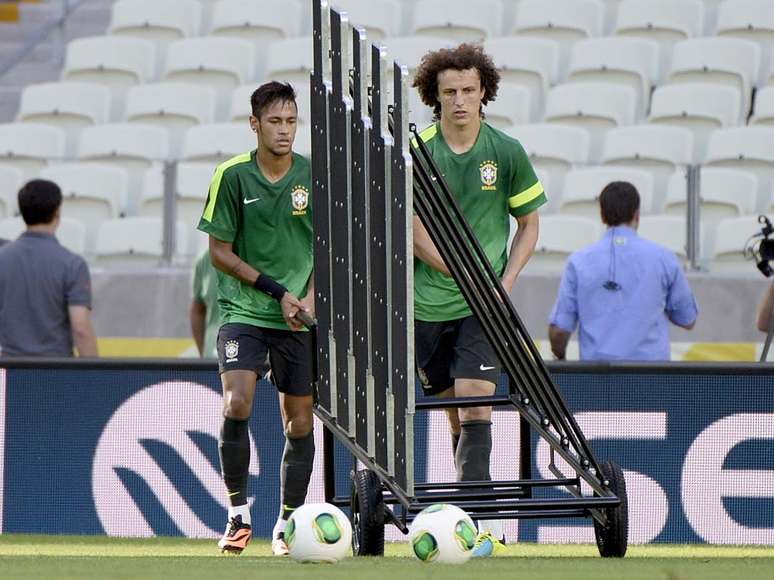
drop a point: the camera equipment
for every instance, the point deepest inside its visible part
(761, 248)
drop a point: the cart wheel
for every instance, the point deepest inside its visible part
(367, 514)
(613, 538)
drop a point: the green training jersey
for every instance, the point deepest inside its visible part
(270, 228)
(491, 182)
(205, 290)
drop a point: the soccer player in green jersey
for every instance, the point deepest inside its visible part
(258, 217)
(492, 179)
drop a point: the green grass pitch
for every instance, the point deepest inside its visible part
(26, 557)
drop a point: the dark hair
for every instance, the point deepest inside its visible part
(619, 201)
(465, 56)
(270, 92)
(38, 201)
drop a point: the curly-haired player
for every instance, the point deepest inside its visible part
(492, 179)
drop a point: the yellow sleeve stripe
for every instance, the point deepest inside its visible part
(526, 196)
(426, 134)
(215, 183)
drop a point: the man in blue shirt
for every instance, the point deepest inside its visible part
(622, 291)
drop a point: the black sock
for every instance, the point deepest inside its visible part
(295, 472)
(235, 459)
(473, 450)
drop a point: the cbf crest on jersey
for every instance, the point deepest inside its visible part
(300, 197)
(488, 170)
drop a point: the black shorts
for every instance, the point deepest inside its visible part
(457, 349)
(244, 347)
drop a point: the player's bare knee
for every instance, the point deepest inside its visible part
(475, 414)
(236, 407)
(299, 427)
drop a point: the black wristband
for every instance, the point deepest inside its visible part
(269, 286)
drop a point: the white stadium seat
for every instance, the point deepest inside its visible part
(11, 228)
(699, 107)
(748, 148)
(241, 108)
(530, 62)
(555, 149)
(597, 107)
(580, 195)
(380, 18)
(666, 230)
(664, 21)
(131, 146)
(653, 148)
(724, 61)
(750, 20)
(763, 109)
(632, 62)
(71, 233)
(192, 185)
(290, 60)
(560, 236)
(727, 242)
(564, 21)
(114, 61)
(69, 105)
(91, 192)
(511, 107)
(173, 106)
(157, 20)
(30, 146)
(217, 142)
(11, 180)
(723, 193)
(409, 50)
(461, 20)
(135, 241)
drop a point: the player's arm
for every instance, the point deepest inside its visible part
(425, 249)
(522, 247)
(766, 310)
(308, 299)
(83, 332)
(225, 260)
(558, 337)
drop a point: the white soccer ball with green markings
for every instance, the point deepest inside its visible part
(442, 533)
(318, 532)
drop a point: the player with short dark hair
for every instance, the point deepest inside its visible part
(492, 179)
(258, 217)
(619, 202)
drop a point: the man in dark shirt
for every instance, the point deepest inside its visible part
(45, 290)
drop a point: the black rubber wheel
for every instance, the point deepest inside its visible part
(367, 514)
(613, 538)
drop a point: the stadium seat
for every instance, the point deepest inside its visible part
(303, 143)
(666, 230)
(597, 107)
(217, 142)
(511, 107)
(749, 20)
(763, 109)
(290, 60)
(632, 62)
(71, 106)
(460, 20)
(241, 109)
(580, 195)
(530, 62)
(664, 21)
(380, 18)
(727, 244)
(11, 180)
(135, 241)
(555, 149)
(564, 21)
(724, 61)
(30, 146)
(71, 233)
(723, 193)
(219, 63)
(91, 192)
(131, 146)
(173, 106)
(658, 150)
(419, 113)
(699, 107)
(748, 148)
(192, 185)
(11, 228)
(114, 61)
(409, 50)
(560, 236)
